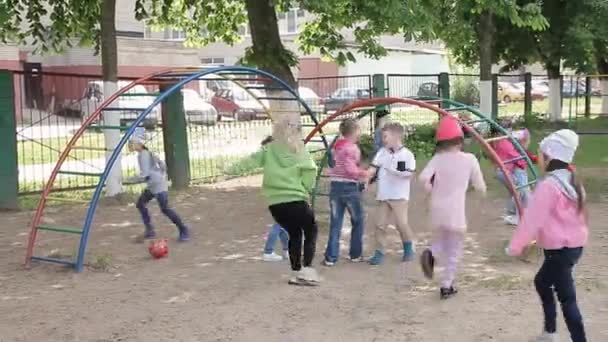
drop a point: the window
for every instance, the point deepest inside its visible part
(292, 26)
(172, 34)
(289, 22)
(213, 60)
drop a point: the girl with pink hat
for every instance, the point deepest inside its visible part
(446, 177)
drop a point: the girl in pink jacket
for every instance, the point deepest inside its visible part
(447, 177)
(556, 219)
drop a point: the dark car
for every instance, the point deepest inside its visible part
(345, 96)
(429, 89)
(572, 89)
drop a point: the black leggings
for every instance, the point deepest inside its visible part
(297, 218)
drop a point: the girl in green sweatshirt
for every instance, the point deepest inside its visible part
(289, 178)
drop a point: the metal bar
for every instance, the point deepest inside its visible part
(139, 94)
(90, 148)
(455, 109)
(63, 199)
(122, 128)
(514, 160)
(113, 109)
(526, 185)
(497, 138)
(278, 98)
(59, 229)
(53, 260)
(261, 87)
(79, 173)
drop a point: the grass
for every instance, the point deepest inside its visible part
(570, 106)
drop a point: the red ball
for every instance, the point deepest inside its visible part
(159, 249)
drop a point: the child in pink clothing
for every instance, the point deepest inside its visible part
(447, 177)
(346, 176)
(556, 219)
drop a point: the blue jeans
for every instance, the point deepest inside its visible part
(163, 202)
(555, 276)
(345, 196)
(520, 178)
(276, 232)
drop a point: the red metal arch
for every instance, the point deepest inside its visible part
(427, 105)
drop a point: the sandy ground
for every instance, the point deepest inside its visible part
(216, 288)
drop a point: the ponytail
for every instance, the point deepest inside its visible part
(580, 192)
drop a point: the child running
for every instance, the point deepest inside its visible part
(395, 166)
(276, 232)
(556, 219)
(152, 170)
(447, 177)
(345, 193)
(517, 170)
(289, 178)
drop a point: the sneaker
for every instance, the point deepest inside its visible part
(377, 258)
(356, 260)
(296, 279)
(272, 257)
(309, 275)
(409, 254)
(545, 337)
(511, 220)
(447, 292)
(149, 234)
(286, 255)
(427, 261)
(328, 263)
(184, 235)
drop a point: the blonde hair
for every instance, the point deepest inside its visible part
(289, 134)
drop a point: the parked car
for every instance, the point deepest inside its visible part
(429, 89)
(197, 110)
(314, 102)
(345, 96)
(508, 92)
(571, 88)
(93, 97)
(536, 93)
(238, 104)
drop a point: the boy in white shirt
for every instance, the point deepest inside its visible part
(395, 166)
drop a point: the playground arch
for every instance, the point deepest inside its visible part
(175, 79)
(442, 107)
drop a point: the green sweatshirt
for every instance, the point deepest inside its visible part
(287, 177)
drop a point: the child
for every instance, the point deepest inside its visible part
(153, 172)
(381, 117)
(345, 193)
(289, 178)
(447, 177)
(517, 170)
(395, 166)
(556, 219)
(276, 232)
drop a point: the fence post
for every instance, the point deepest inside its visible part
(527, 97)
(588, 97)
(444, 88)
(494, 96)
(175, 139)
(9, 174)
(378, 90)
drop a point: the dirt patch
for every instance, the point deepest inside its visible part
(216, 288)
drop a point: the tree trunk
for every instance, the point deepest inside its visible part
(109, 67)
(555, 90)
(269, 54)
(602, 67)
(486, 33)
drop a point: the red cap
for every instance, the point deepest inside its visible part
(449, 128)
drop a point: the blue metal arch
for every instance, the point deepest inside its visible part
(123, 141)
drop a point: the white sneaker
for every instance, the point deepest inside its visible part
(272, 257)
(511, 220)
(356, 260)
(545, 337)
(286, 255)
(310, 275)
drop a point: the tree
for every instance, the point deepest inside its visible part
(470, 30)
(57, 25)
(599, 27)
(217, 20)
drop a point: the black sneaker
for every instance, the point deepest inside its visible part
(427, 261)
(447, 292)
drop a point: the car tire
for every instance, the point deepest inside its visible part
(506, 99)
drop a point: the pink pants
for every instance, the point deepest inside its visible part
(447, 249)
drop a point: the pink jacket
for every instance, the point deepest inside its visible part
(506, 151)
(552, 219)
(447, 177)
(347, 157)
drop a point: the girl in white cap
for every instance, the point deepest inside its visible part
(152, 170)
(556, 219)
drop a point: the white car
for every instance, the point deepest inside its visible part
(132, 104)
(311, 98)
(197, 110)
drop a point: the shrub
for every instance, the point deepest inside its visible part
(464, 90)
(421, 141)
